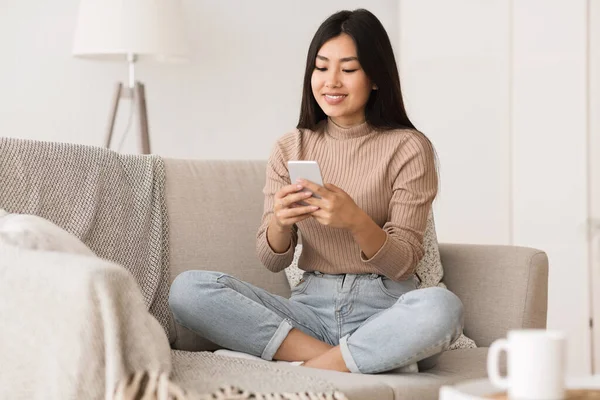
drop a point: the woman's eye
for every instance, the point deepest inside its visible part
(348, 71)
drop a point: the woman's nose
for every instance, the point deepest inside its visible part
(333, 80)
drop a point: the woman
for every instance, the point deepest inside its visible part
(357, 308)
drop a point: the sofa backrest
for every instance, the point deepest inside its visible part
(214, 210)
(502, 287)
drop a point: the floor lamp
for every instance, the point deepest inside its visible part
(130, 30)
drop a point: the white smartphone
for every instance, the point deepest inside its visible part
(308, 170)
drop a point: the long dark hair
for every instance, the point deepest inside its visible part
(385, 107)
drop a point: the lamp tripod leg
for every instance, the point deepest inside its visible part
(140, 98)
(113, 114)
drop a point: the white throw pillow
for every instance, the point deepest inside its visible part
(429, 271)
(37, 233)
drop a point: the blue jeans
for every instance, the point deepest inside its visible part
(379, 324)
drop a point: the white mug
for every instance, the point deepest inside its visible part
(535, 367)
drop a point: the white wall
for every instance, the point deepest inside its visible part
(241, 92)
(454, 68)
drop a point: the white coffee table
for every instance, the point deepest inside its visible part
(478, 389)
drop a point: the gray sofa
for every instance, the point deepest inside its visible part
(214, 210)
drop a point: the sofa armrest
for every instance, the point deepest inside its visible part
(501, 287)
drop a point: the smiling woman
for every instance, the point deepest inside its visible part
(339, 84)
(351, 57)
(358, 308)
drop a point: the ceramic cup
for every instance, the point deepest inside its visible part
(535, 364)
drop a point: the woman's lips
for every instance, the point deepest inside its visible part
(333, 100)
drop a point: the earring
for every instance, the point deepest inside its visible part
(375, 87)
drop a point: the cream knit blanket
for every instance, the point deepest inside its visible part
(72, 326)
(114, 203)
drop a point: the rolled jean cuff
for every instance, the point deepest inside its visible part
(348, 359)
(280, 334)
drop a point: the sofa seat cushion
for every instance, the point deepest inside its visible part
(205, 372)
(452, 367)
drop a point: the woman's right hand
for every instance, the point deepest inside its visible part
(285, 209)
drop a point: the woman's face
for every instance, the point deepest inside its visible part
(338, 82)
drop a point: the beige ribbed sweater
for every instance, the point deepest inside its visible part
(390, 175)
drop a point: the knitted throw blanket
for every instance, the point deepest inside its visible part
(72, 326)
(114, 203)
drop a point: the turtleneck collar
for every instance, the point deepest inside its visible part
(337, 132)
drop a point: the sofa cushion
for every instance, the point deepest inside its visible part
(429, 269)
(205, 372)
(213, 223)
(214, 210)
(452, 367)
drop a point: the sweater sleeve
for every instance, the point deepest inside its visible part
(414, 188)
(277, 177)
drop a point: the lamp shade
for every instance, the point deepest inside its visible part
(111, 29)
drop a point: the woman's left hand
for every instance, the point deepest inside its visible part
(336, 207)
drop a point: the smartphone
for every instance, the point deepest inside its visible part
(308, 170)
